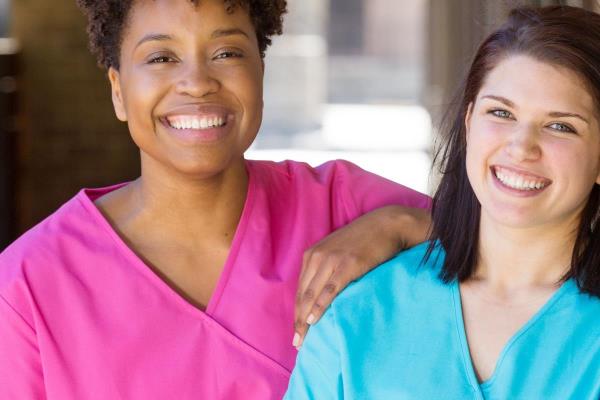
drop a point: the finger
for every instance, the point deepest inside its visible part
(336, 283)
(308, 271)
(314, 288)
(310, 265)
(309, 297)
(313, 292)
(310, 260)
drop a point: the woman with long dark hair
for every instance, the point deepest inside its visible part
(503, 302)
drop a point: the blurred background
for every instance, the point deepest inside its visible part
(363, 80)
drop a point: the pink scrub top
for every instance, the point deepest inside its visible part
(82, 316)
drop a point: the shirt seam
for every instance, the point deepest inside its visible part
(464, 352)
(338, 343)
(17, 313)
(342, 188)
(538, 315)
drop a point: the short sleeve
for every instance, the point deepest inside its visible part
(318, 372)
(360, 191)
(20, 364)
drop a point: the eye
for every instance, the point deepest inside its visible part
(559, 127)
(500, 113)
(225, 54)
(160, 59)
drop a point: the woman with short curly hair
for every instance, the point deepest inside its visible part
(182, 283)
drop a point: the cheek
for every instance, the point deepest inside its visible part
(144, 91)
(483, 140)
(248, 88)
(577, 166)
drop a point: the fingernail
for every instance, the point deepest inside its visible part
(311, 319)
(296, 341)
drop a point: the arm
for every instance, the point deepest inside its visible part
(349, 253)
(20, 364)
(318, 375)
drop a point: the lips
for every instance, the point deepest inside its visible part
(195, 121)
(199, 122)
(519, 180)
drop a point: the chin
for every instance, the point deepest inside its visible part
(201, 168)
(513, 217)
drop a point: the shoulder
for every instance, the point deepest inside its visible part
(290, 169)
(409, 273)
(584, 308)
(39, 247)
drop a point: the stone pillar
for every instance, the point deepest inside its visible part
(455, 30)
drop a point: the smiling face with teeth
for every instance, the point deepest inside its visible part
(533, 144)
(189, 85)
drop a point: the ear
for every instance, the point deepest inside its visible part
(468, 119)
(117, 96)
(598, 166)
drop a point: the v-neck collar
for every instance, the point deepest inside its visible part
(479, 387)
(87, 198)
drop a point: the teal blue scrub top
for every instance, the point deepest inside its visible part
(398, 333)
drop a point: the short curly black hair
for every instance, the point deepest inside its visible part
(106, 19)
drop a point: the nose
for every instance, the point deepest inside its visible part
(523, 143)
(197, 80)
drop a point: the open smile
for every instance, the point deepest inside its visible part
(519, 181)
(199, 123)
(196, 122)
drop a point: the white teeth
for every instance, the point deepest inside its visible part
(517, 181)
(190, 122)
(520, 182)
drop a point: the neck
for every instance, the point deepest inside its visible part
(513, 258)
(189, 208)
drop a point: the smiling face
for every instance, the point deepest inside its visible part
(189, 85)
(533, 144)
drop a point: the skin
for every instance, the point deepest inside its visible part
(519, 121)
(331, 264)
(180, 216)
(183, 210)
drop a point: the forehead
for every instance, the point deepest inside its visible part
(530, 82)
(184, 16)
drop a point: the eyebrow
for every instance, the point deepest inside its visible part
(560, 114)
(500, 99)
(154, 37)
(228, 32)
(554, 114)
(216, 34)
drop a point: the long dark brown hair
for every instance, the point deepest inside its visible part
(560, 35)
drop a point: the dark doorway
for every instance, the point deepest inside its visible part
(8, 111)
